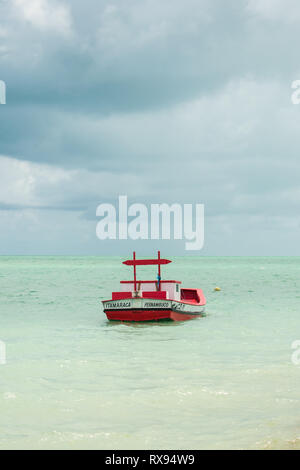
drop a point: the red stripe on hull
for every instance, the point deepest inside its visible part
(148, 315)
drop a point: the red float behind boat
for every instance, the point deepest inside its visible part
(153, 300)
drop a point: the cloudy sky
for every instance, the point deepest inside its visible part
(162, 100)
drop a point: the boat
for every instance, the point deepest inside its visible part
(141, 301)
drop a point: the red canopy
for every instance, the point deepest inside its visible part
(145, 262)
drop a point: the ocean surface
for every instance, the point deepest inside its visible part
(75, 381)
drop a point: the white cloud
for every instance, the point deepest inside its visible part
(3, 32)
(35, 185)
(136, 24)
(21, 180)
(276, 10)
(45, 15)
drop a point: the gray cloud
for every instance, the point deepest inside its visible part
(164, 101)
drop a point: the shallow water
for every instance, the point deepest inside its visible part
(73, 380)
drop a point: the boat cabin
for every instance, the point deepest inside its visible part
(160, 289)
(150, 289)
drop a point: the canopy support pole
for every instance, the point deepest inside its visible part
(159, 278)
(134, 272)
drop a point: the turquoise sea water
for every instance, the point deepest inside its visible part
(74, 380)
